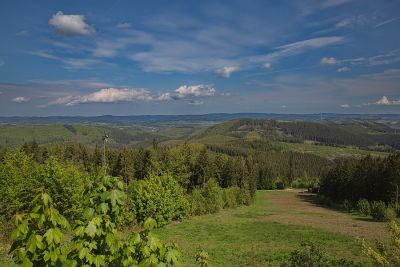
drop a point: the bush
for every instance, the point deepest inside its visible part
(206, 200)
(309, 255)
(158, 197)
(347, 205)
(230, 197)
(378, 209)
(22, 178)
(390, 214)
(364, 207)
(38, 236)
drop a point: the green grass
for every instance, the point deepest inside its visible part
(242, 237)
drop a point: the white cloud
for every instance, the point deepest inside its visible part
(329, 61)
(345, 106)
(384, 100)
(195, 91)
(70, 63)
(20, 99)
(298, 48)
(343, 69)
(114, 95)
(107, 95)
(386, 22)
(226, 72)
(267, 66)
(71, 24)
(124, 25)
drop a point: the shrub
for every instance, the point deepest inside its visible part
(309, 255)
(364, 207)
(38, 239)
(385, 254)
(206, 200)
(212, 196)
(158, 197)
(22, 178)
(390, 214)
(202, 259)
(378, 209)
(347, 205)
(230, 197)
(38, 235)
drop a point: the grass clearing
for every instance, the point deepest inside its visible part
(265, 233)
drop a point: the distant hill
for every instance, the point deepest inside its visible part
(365, 134)
(213, 117)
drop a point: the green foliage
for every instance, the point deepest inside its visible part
(158, 197)
(390, 214)
(378, 210)
(21, 178)
(38, 235)
(230, 197)
(310, 255)
(202, 259)
(371, 178)
(206, 200)
(97, 241)
(364, 207)
(385, 254)
(347, 205)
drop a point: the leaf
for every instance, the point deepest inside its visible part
(53, 235)
(46, 199)
(115, 197)
(149, 224)
(31, 244)
(99, 260)
(91, 229)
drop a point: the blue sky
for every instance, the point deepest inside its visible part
(190, 57)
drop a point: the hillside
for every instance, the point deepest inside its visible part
(363, 134)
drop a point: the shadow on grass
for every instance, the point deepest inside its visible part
(313, 199)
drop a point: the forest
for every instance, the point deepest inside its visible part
(71, 204)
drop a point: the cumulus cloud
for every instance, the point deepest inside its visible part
(71, 24)
(194, 91)
(226, 72)
(384, 100)
(107, 95)
(343, 69)
(20, 99)
(345, 106)
(190, 93)
(329, 61)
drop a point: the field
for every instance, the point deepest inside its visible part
(265, 233)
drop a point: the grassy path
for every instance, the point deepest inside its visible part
(264, 234)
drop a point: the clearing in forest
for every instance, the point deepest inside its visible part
(265, 233)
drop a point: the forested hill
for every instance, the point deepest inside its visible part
(212, 117)
(361, 134)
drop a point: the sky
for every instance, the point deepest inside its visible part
(119, 57)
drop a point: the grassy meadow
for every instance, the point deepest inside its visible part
(265, 233)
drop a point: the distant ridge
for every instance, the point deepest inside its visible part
(212, 117)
